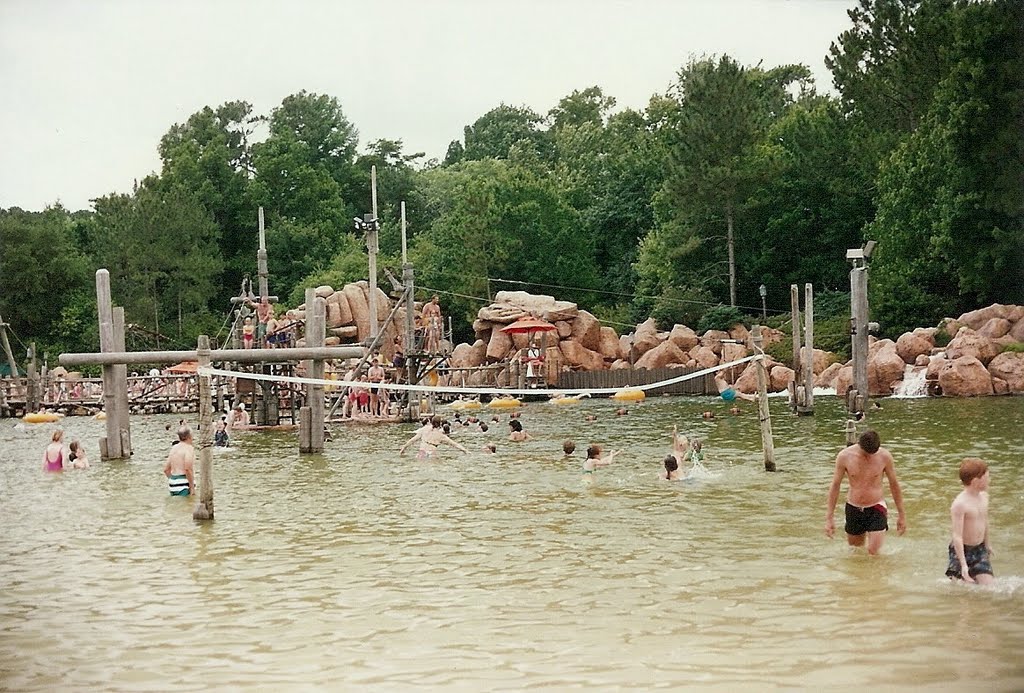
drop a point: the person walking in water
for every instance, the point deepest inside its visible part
(53, 455)
(866, 512)
(970, 548)
(178, 470)
(431, 437)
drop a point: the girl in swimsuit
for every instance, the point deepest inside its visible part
(594, 459)
(53, 455)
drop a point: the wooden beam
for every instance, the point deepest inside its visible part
(216, 355)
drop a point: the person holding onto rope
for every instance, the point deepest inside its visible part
(728, 392)
(178, 470)
(431, 437)
(866, 512)
(969, 551)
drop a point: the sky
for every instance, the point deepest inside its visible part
(89, 88)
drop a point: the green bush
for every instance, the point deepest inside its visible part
(1013, 347)
(721, 318)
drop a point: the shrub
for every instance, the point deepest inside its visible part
(721, 318)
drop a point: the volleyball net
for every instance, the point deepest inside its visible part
(470, 391)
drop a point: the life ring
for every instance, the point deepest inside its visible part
(630, 395)
(464, 404)
(504, 403)
(40, 418)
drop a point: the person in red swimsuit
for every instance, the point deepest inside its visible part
(53, 456)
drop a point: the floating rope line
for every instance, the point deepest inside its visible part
(208, 371)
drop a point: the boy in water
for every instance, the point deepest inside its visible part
(178, 469)
(77, 458)
(866, 512)
(970, 550)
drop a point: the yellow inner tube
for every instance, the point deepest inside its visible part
(504, 403)
(101, 416)
(630, 395)
(565, 400)
(40, 418)
(463, 404)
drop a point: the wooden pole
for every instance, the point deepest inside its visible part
(807, 407)
(261, 259)
(859, 337)
(112, 443)
(851, 431)
(120, 372)
(764, 415)
(312, 439)
(204, 506)
(794, 302)
(32, 381)
(7, 349)
(371, 249)
(216, 355)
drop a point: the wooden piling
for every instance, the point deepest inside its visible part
(316, 329)
(204, 506)
(805, 406)
(32, 381)
(859, 337)
(7, 349)
(120, 372)
(110, 446)
(764, 416)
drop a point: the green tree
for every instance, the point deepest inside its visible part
(495, 132)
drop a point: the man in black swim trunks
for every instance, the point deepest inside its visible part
(866, 513)
(376, 376)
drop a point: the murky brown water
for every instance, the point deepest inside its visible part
(358, 569)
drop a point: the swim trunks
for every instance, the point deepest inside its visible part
(728, 394)
(977, 561)
(177, 484)
(220, 439)
(873, 518)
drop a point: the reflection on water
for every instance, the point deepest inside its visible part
(357, 568)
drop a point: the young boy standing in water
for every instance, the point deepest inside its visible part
(969, 551)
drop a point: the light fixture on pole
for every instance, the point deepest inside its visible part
(763, 290)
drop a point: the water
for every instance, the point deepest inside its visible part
(913, 384)
(357, 569)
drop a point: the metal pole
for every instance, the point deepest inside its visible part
(204, 508)
(764, 415)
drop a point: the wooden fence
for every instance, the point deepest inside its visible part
(584, 380)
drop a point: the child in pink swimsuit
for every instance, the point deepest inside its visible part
(53, 455)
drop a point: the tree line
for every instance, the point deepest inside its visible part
(737, 176)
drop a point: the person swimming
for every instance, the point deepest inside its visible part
(671, 472)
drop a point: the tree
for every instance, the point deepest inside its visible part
(495, 132)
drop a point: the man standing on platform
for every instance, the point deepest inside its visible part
(376, 376)
(433, 323)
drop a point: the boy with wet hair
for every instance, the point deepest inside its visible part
(969, 551)
(568, 447)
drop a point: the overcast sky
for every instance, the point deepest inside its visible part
(89, 88)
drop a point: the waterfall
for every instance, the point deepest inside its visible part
(913, 383)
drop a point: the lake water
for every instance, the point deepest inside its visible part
(357, 569)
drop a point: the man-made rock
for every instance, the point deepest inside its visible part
(713, 340)
(1009, 367)
(503, 314)
(499, 345)
(936, 364)
(560, 311)
(965, 377)
(822, 360)
(969, 343)
(739, 332)
(334, 315)
(922, 360)
(1017, 331)
(347, 333)
(976, 318)
(704, 356)
(477, 354)
(578, 355)
(683, 337)
(360, 311)
(609, 344)
(828, 376)
(781, 377)
(332, 341)
(345, 313)
(996, 327)
(910, 345)
(885, 369)
(747, 382)
(1000, 386)
(620, 365)
(482, 329)
(843, 381)
(645, 338)
(323, 291)
(660, 356)
(625, 345)
(730, 353)
(586, 329)
(460, 356)
(876, 345)
(564, 328)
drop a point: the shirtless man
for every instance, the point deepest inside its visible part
(376, 376)
(178, 469)
(264, 312)
(432, 322)
(970, 549)
(430, 436)
(728, 392)
(866, 512)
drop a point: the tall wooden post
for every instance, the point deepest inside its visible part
(408, 282)
(204, 504)
(311, 425)
(110, 446)
(371, 250)
(120, 372)
(767, 443)
(7, 348)
(794, 388)
(261, 259)
(32, 381)
(858, 402)
(805, 406)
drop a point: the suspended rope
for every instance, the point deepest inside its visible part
(207, 371)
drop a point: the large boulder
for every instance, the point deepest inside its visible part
(609, 345)
(323, 291)
(822, 360)
(1000, 386)
(885, 369)
(578, 355)
(780, 378)
(560, 310)
(660, 356)
(996, 327)
(347, 332)
(827, 377)
(334, 315)
(478, 354)
(683, 337)
(730, 353)
(564, 328)
(498, 346)
(586, 329)
(936, 364)
(625, 345)
(460, 356)
(910, 345)
(645, 338)
(620, 365)
(501, 313)
(356, 298)
(482, 329)
(704, 356)
(969, 343)
(976, 318)
(965, 377)
(537, 305)
(345, 313)
(1017, 331)
(843, 382)
(1009, 367)
(713, 340)
(740, 333)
